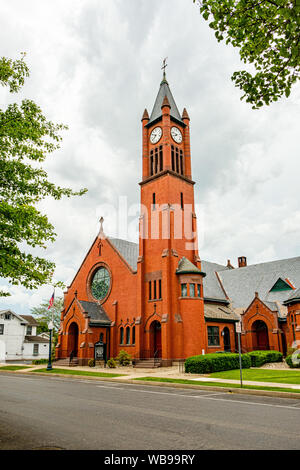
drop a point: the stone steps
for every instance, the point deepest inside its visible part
(66, 362)
(147, 363)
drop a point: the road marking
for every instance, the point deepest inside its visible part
(209, 397)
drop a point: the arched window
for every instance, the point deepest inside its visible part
(133, 335)
(127, 335)
(121, 335)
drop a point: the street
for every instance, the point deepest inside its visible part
(38, 412)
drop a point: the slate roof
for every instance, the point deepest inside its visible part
(128, 250)
(185, 266)
(164, 90)
(241, 284)
(219, 312)
(293, 297)
(211, 286)
(96, 313)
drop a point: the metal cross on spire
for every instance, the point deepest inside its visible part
(164, 67)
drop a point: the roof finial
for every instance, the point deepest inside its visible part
(164, 67)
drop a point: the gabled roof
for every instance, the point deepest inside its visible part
(35, 339)
(212, 288)
(30, 319)
(163, 91)
(241, 284)
(96, 313)
(128, 250)
(22, 320)
(281, 284)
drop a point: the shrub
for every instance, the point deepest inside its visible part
(290, 363)
(91, 363)
(40, 361)
(112, 363)
(258, 358)
(123, 358)
(214, 362)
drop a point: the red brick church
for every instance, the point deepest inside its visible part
(158, 299)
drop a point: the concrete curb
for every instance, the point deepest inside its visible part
(241, 391)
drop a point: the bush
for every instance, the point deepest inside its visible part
(290, 363)
(112, 363)
(91, 363)
(40, 361)
(258, 358)
(123, 358)
(214, 362)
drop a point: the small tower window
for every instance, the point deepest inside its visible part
(153, 200)
(150, 293)
(181, 200)
(159, 289)
(154, 289)
(133, 335)
(199, 290)
(183, 290)
(192, 290)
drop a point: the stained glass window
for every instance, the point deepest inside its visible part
(100, 283)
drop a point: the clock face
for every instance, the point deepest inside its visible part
(155, 135)
(176, 135)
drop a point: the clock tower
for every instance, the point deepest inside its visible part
(170, 298)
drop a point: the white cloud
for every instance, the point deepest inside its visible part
(95, 65)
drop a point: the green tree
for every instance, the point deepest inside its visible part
(43, 315)
(267, 33)
(26, 139)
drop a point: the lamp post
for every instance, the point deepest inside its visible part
(50, 327)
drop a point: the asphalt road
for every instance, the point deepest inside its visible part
(61, 413)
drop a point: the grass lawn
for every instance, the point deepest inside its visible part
(261, 375)
(78, 372)
(216, 384)
(14, 367)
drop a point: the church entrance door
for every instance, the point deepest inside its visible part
(73, 340)
(226, 338)
(260, 335)
(155, 332)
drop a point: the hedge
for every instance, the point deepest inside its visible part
(258, 358)
(290, 363)
(206, 363)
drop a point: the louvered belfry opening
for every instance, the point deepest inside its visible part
(156, 160)
(177, 160)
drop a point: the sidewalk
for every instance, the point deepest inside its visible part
(173, 372)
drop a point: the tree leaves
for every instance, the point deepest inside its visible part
(26, 139)
(267, 33)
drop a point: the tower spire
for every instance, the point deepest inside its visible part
(164, 91)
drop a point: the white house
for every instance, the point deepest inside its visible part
(18, 338)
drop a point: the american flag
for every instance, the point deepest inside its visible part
(51, 301)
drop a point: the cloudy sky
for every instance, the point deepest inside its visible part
(95, 65)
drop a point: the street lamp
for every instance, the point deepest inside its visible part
(50, 327)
